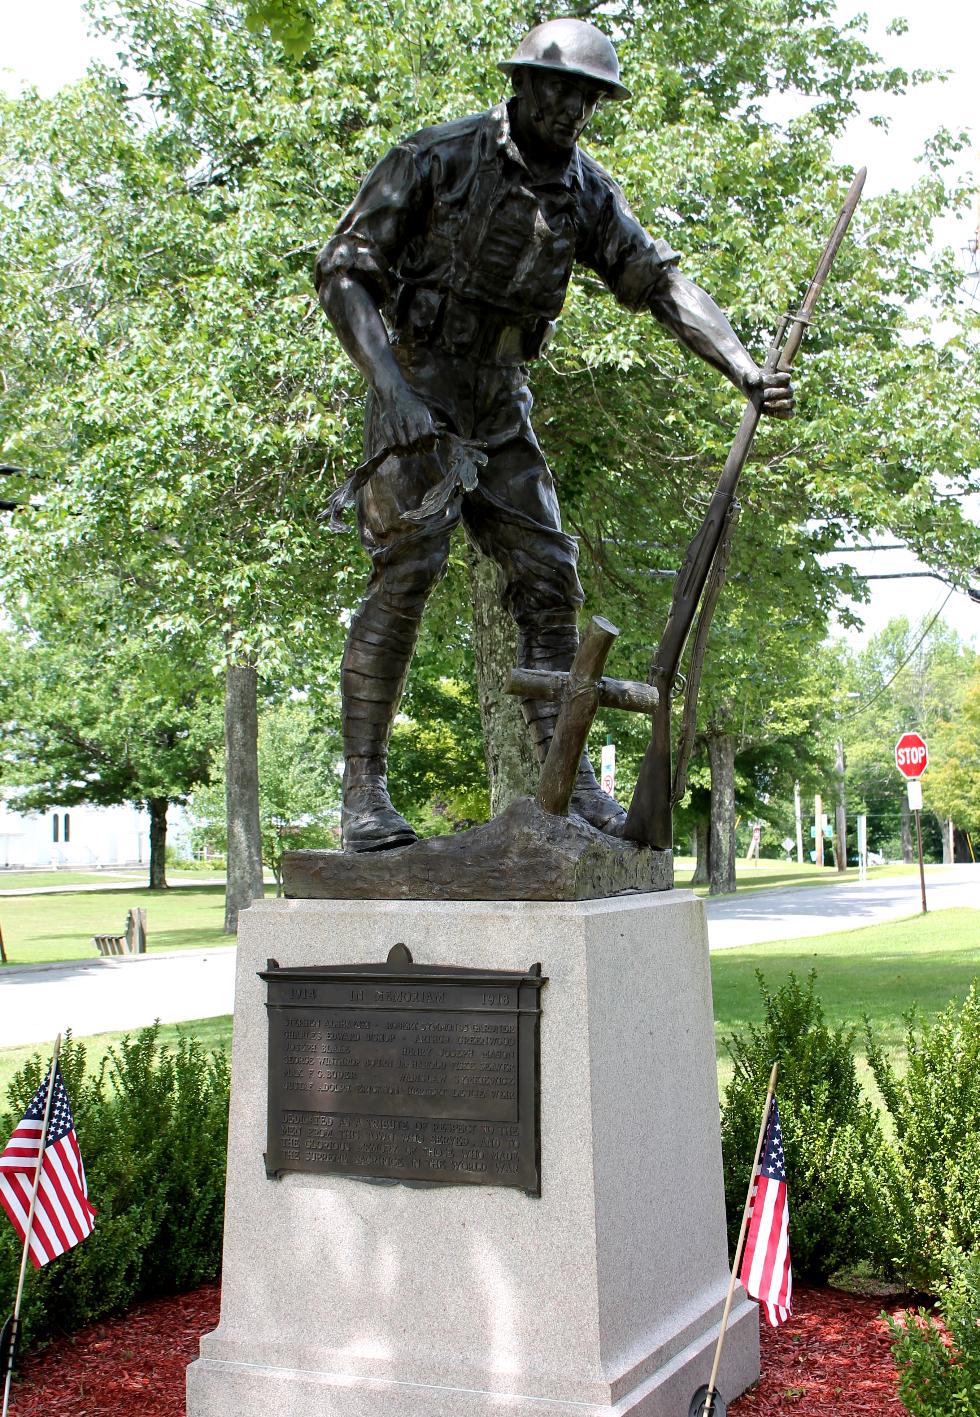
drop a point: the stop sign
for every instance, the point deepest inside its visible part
(911, 755)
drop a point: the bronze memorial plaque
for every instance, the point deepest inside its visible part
(405, 1071)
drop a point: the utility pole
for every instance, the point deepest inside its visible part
(799, 823)
(840, 811)
(818, 827)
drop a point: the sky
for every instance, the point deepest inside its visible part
(47, 43)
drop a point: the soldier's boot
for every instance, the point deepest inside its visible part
(368, 821)
(554, 648)
(376, 659)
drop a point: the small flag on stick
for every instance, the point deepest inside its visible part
(62, 1215)
(769, 1216)
(765, 1269)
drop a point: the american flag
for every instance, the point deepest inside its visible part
(765, 1264)
(63, 1216)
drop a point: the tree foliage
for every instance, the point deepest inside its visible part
(909, 677)
(184, 409)
(299, 789)
(91, 713)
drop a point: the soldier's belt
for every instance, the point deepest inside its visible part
(464, 456)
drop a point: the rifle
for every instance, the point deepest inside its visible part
(649, 817)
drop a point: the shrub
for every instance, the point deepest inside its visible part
(832, 1138)
(939, 1363)
(152, 1125)
(931, 1184)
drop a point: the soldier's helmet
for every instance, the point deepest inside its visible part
(569, 47)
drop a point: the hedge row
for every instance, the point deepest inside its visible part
(153, 1130)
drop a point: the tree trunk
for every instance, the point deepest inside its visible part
(947, 830)
(908, 851)
(244, 878)
(840, 812)
(158, 843)
(511, 766)
(721, 844)
(701, 854)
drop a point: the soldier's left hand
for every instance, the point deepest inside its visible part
(775, 393)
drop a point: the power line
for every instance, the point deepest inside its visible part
(863, 708)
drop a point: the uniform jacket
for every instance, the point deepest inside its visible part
(451, 233)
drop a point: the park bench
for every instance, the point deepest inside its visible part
(131, 942)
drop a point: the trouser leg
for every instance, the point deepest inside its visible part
(372, 676)
(545, 647)
(374, 668)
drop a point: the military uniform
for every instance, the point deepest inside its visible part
(469, 255)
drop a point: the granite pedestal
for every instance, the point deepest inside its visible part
(349, 1298)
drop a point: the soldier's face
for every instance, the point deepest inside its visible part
(559, 108)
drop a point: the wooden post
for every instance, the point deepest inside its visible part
(575, 717)
(581, 690)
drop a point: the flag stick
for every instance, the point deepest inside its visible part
(30, 1225)
(709, 1402)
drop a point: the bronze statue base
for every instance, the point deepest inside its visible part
(524, 854)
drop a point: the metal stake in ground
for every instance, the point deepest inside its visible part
(707, 1401)
(12, 1324)
(581, 690)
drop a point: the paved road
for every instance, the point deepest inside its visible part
(100, 995)
(753, 917)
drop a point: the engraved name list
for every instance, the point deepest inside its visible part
(404, 1071)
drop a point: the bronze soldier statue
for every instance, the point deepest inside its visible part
(443, 281)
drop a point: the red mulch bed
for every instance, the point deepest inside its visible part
(132, 1366)
(831, 1359)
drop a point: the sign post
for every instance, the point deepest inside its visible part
(607, 767)
(862, 848)
(912, 759)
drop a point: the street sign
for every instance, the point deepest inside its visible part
(607, 769)
(911, 755)
(912, 759)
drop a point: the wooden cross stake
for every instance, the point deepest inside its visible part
(580, 691)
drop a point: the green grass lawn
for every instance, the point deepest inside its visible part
(40, 880)
(212, 1032)
(880, 970)
(46, 928)
(767, 874)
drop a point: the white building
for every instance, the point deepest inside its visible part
(74, 837)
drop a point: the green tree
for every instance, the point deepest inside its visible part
(187, 410)
(299, 789)
(952, 783)
(903, 679)
(91, 715)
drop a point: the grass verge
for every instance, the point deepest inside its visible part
(212, 1032)
(48, 928)
(770, 875)
(880, 971)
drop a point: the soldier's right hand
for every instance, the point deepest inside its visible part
(406, 423)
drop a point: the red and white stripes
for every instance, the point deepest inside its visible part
(63, 1216)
